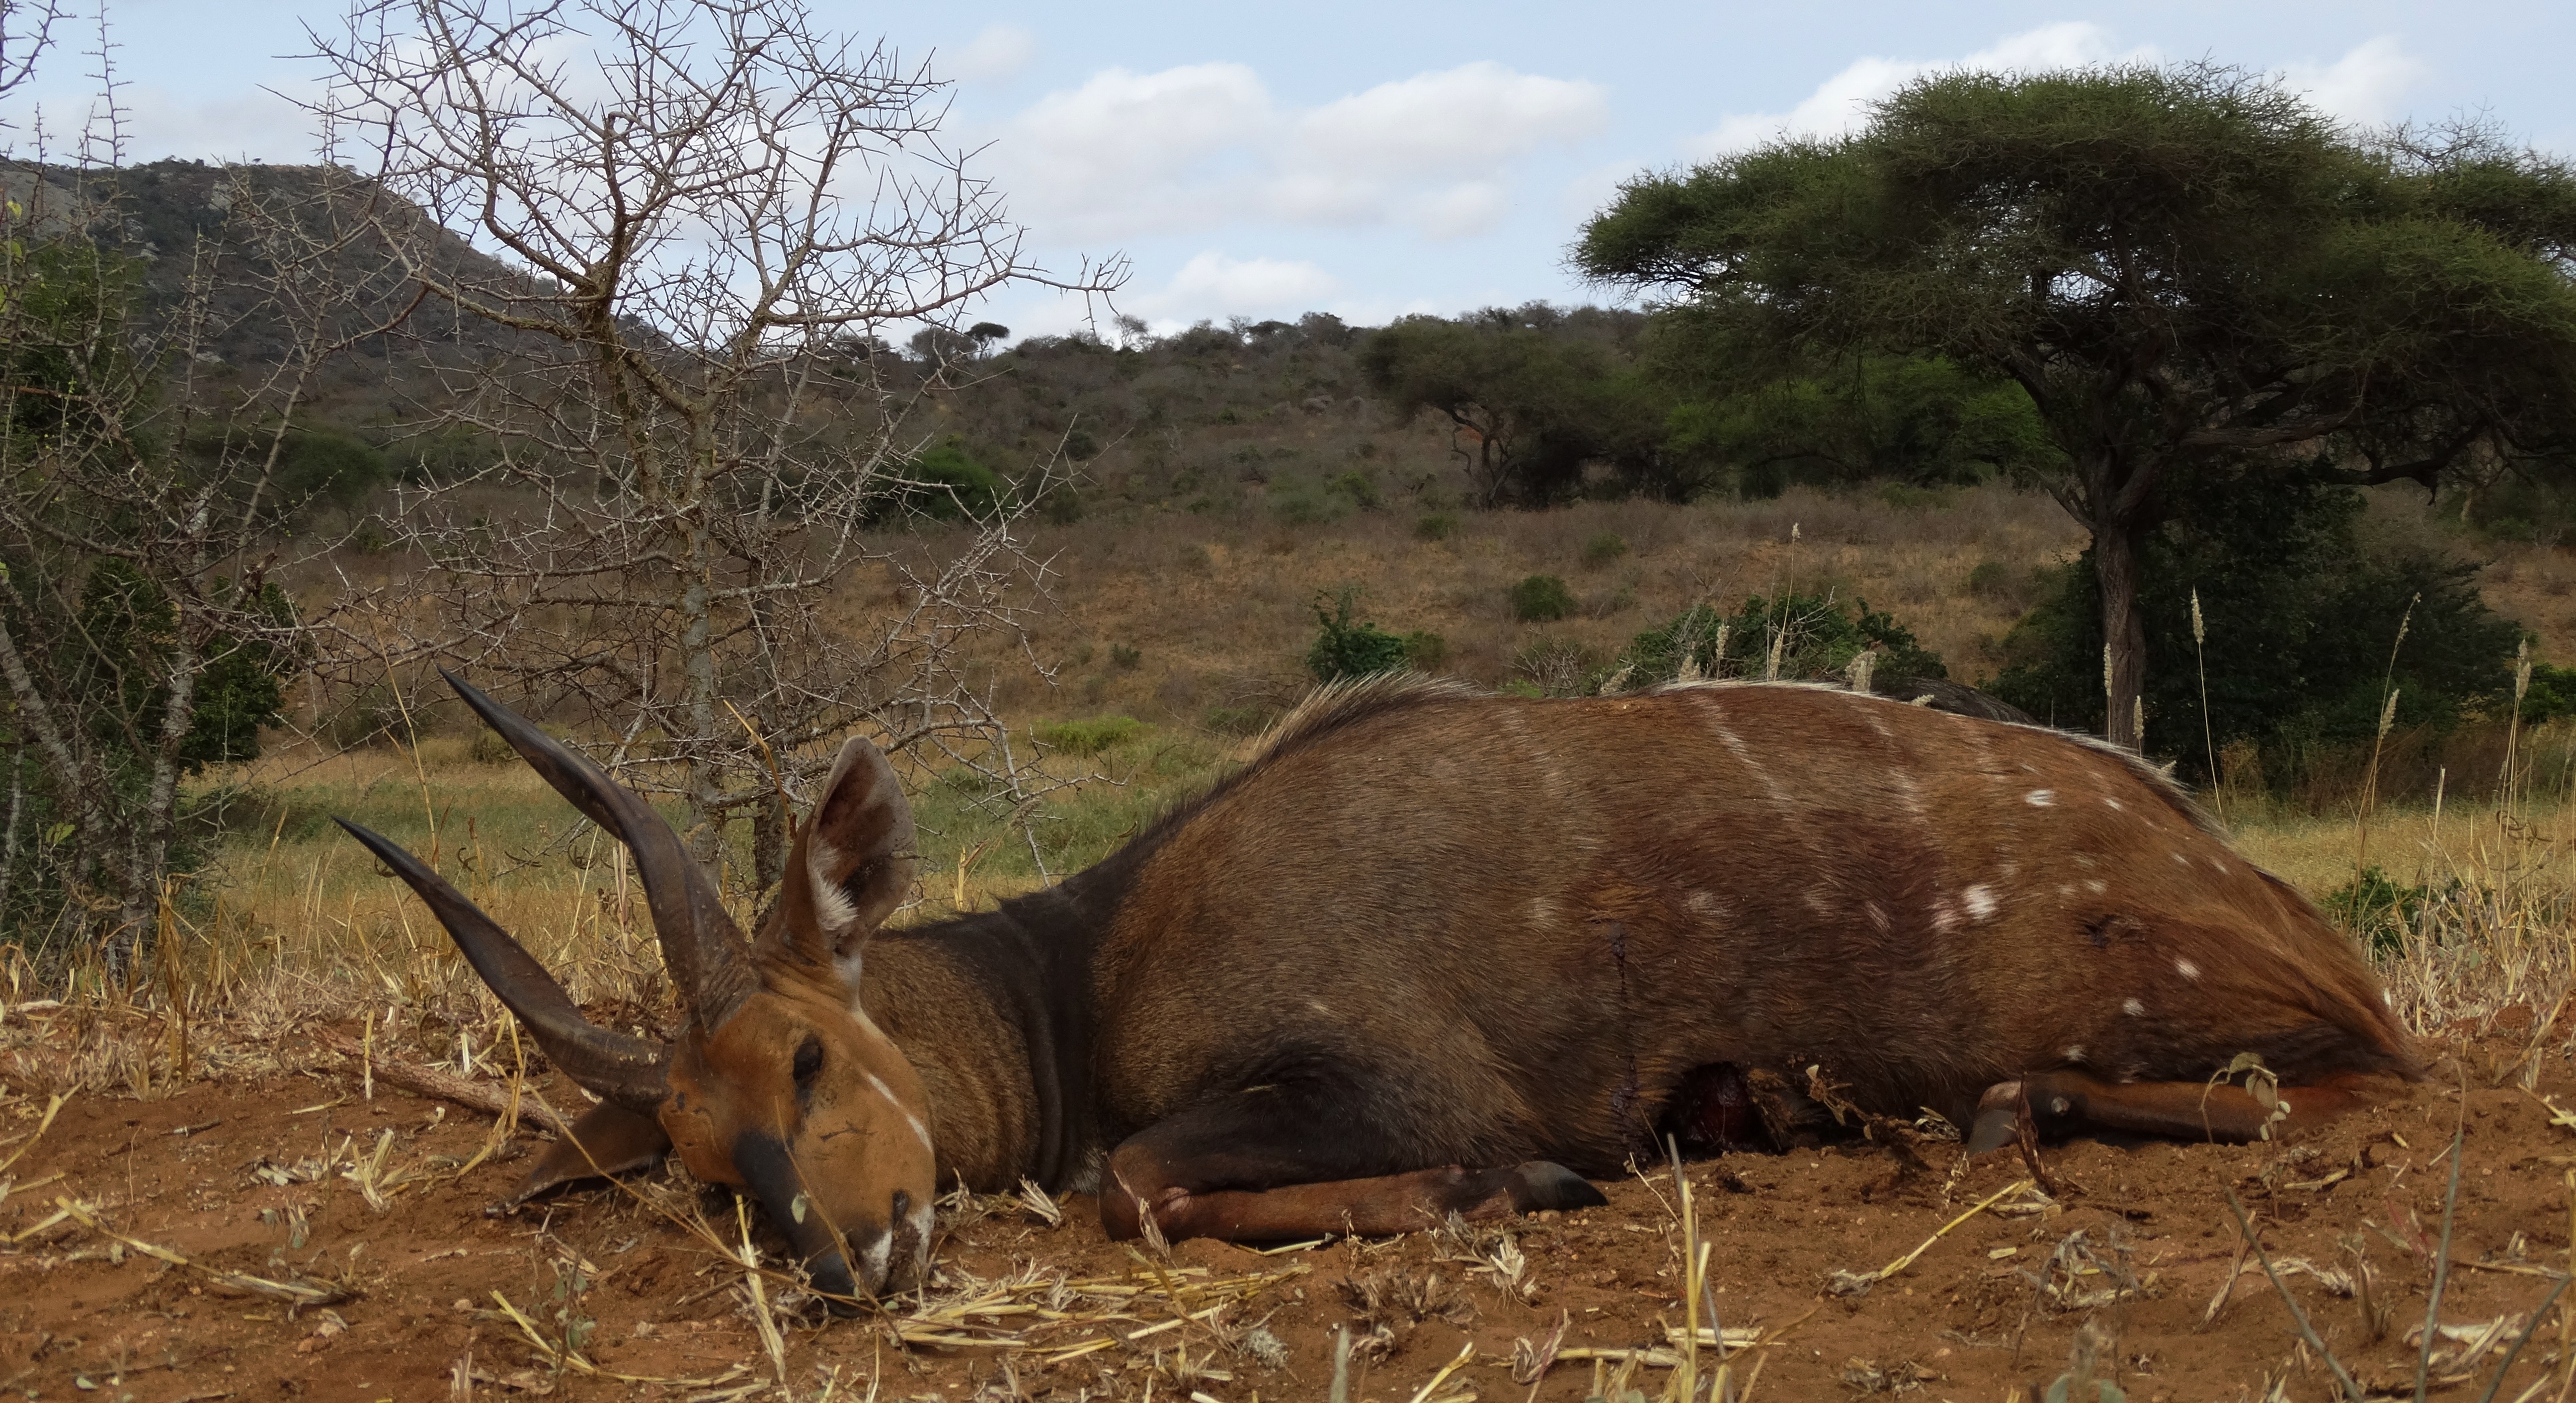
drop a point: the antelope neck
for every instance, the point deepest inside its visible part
(1008, 1054)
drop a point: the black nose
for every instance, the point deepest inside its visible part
(831, 1275)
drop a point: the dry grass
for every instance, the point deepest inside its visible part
(298, 921)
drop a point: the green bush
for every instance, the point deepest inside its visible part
(2299, 620)
(323, 467)
(1992, 579)
(1541, 599)
(2552, 694)
(1347, 647)
(1425, 651)
(1817, 636)
(1435, 526)
(1124, 658)
(1089, 735)
(1604, 548)
(944, 483)
(1359, 487)
(2379, 912)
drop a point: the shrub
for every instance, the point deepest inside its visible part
(1080, 446)
(1425, 651)
(1124, 658)
(2299, 619)
(1816, 636)
(1089, 735)
(2376, 910)
(944, 483)
(1991, 579)
(1359, 487)
(1541, 599)
(1604, 548)
(1348, 647)
(1435, 526)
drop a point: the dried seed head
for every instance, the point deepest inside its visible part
(2388, 713)
(2199, 633)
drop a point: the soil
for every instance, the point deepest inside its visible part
(2120, 1262)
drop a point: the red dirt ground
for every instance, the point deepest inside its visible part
(253, 1177)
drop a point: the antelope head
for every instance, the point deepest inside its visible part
(779, 1084)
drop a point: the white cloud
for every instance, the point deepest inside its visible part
(999, 52)
(2365, 85)
(1205, 145)
(1212, 285)
(1842, 102)
(156, 123)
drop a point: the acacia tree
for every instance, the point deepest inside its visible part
(2190, 272)
(146, 512)
(695, 209)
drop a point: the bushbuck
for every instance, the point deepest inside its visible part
(1437, 951)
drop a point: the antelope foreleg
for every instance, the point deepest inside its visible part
(1378, 1207)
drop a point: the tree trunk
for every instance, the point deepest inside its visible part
(2116, 544)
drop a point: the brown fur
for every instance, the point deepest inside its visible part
(1429, 941)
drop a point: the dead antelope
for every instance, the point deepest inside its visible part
(1436, 951)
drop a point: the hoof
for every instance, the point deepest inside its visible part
(1543, 1184)
(1998, 1121)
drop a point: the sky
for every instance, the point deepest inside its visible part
(1372, 160)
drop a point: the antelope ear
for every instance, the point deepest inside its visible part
(855, 855)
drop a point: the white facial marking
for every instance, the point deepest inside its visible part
(920, 1132)
(1980, 901)
(920, 1217)
(875, 1255)
(2040, 798)
(2187, 969)
(2133, 1008)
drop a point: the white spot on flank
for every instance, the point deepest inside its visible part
(2178, 857)
(1703, 902)
(1944, 918)
(1980, 901)
(1877, 916)
(2222, 867)
(2081, 860)
(2187, 969)
(1542, 912)
(1820, 901)
(2095, 886)
(2113, 805)
(2133, 1008)
(2066, 889)
(2040, 798)
(2075, 1053)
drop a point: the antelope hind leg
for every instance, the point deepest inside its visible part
(2068, 1103)
(1292, 1161)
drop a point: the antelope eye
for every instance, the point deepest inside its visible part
(809, 1059)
